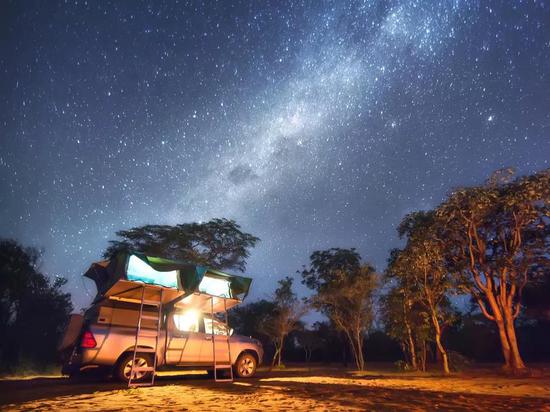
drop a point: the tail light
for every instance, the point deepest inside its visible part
(88, 340)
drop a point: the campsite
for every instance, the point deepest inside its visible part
(293, 205)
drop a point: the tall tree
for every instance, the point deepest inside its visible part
(33, 309)
(421, 265)
(285, 318)
(219, 243)
(497, 239)
(343, 292)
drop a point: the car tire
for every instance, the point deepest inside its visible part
(246, 365)
(124, 366)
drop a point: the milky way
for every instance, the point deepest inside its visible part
(313, 124)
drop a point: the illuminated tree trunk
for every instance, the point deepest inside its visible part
(515, 356)
(361, 359)
(438, 343)
(280, 350)
(504, 343)
(410, 339)
(412, 348)
(357, 348)
(504, 318)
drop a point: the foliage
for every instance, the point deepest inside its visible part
(219, 243)
(249, 319)
(344, 289)
(33, 310)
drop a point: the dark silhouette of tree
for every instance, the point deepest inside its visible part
(285, 318)
(309, 340)
(219, 243)
(343, 292)
(249, 319)
(496, 241)
(33, 310)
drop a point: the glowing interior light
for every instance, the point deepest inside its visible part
(187, 321)
(138, 270)
(215, 287)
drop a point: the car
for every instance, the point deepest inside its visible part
(105, 336)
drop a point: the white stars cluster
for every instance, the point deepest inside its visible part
(313, 125)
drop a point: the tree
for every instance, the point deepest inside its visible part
(32, 308)
(249, 319)
(309, 340)
(422, 269)
(219, 243)
(343, 292)
(285, 318)
(406, 321)
(496, 241)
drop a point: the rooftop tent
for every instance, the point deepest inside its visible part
(122, 278)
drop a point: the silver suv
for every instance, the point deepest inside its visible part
(106, 338)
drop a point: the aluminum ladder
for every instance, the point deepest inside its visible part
(224, 365)
(158, 319)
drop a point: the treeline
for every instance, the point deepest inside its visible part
(33, 310)
(487, 243)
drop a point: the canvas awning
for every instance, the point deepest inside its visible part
(122, 278)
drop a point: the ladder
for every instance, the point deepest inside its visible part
(221, 365)
(158, 319)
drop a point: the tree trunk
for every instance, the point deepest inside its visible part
(424, 354)
(516, 361)
(412, 348)
(355, 344)
(281, 350)
(274, 357)
(497, 317)
(438, 343)
(359, 347)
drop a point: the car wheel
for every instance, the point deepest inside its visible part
(246, 364)
(124, 367)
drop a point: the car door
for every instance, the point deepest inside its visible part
(184, 340)
(220, 336)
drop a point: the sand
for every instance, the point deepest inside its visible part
(296, 389)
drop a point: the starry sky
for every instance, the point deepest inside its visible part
(312, 124)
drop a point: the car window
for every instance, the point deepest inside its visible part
(219, 328)
(187, 321)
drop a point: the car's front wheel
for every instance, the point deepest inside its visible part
(124, 367)
(246, 365)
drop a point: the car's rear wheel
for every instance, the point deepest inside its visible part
(246, 365)
(124, 367)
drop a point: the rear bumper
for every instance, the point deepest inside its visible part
(72, 364)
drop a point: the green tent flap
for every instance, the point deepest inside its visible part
(183, 276)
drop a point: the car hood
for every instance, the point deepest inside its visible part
(245, 339)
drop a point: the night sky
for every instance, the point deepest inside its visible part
(312, 124)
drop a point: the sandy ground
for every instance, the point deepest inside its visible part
(296, 388)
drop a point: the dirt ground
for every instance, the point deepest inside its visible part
(295, 388)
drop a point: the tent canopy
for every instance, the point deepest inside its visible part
(116, 278)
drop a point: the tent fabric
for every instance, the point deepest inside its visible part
(107, 272)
